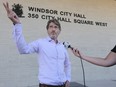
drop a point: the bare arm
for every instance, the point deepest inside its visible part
(108, 61)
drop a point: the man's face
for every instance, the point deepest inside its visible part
(53, 31)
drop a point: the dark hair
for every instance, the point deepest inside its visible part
(55, 21)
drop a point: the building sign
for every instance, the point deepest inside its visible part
(63, 16)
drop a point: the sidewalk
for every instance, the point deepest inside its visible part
(99, 83)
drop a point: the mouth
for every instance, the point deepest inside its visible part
(53, 33)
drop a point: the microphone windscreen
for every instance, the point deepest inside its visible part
(66, 45)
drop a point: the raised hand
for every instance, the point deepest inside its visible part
(11, 14)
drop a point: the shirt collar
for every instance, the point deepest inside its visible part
(50, 40)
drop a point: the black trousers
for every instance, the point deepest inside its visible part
(45, 85)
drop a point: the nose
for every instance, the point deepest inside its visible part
(53, 28)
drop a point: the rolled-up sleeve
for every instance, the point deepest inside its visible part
(114, 49)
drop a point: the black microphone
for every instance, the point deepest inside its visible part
(67, 45)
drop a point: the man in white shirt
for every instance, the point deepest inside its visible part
(54, 64)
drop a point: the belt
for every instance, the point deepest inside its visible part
(45, 85)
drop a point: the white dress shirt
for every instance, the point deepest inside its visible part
(54, 64)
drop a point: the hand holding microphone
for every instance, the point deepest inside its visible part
(75, 51)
